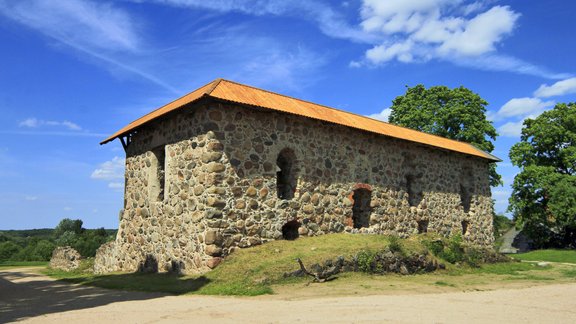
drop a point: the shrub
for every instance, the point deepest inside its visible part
(366, 260)
(7, 250)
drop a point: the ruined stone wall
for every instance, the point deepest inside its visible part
(220, 175)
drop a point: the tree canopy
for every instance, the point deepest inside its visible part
(68, 225)
(458, 114)
(544, 192)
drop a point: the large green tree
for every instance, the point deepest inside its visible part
(458, 114)
(544, 192)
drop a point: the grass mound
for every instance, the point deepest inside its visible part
(255, 271)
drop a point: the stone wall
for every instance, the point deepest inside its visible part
(65, 258)
(203, 182)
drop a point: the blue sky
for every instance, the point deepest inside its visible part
(73, 72)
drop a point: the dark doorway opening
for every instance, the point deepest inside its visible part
(290, 230)
(361, 209)
(422, 226)
(465, 225)
(465, 198)
(286, 174)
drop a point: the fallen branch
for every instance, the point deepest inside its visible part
(321, 276)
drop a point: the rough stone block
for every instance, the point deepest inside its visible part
(213, 262)
(213, 250)
(212, 237)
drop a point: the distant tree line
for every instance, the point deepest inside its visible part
(38, 244)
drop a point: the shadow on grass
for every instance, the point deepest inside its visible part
(24, 294)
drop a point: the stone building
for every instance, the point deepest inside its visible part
(230, 166)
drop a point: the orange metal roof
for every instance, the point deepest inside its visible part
(243, 94)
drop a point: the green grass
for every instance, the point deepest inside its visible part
(246, 272)
(569, 273)
(508, 268)
(253, 271)
(14, 264)
(259, 270)
(564, 256)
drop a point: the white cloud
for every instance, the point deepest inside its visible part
(110, 170)
(514, 128)
(425, 29)
(480, 34)
(523, 107)
(559, 88)
(67, 208)
(35, 123)
(31, 198)
(383, 115)
(403, 52)
(85, 23)
(511, 129)
(462, 32)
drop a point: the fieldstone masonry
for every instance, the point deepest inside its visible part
(205, 181)
(65, 258)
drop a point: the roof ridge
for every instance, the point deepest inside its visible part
(214, 86)
(347, 112)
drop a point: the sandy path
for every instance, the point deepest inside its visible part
(38, 299)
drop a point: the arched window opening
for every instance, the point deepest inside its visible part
(290, 230)
(156, 176)
(465, 225)
(286, 174)
(361, 209)
(422, 226)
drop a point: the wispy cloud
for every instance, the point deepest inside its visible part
(329, 21)
(85, 23)
(500, 62)
(35, 123)
(101, 30)
(45, 133)
(559, 88)
(522, 107)
(110, 170)
(293, 69)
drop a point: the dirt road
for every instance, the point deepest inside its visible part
(38, 299)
